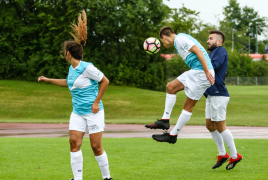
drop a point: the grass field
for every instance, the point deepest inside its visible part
(188, 159)
(44, 103)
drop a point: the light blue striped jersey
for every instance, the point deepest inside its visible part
(83, 83)
(183, 43)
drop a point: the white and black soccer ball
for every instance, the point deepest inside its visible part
(151, 45)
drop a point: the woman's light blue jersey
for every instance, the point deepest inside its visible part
(183, 43)
(83, 83)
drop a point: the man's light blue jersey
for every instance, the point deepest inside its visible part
(83, 83)
(183, 43)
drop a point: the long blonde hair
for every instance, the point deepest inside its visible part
(79, 33)
(80, 30)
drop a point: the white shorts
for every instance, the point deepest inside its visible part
(216, 107)
(93, 122)
(195, 83)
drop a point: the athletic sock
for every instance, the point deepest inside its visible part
(77, 164)
(183, 119)
(104, 165)
(170, 102)
(219, 142)
(229, 141)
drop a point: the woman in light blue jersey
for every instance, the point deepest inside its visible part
(88, 112)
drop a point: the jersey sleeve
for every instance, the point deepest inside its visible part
(185, 42)
(93, 73)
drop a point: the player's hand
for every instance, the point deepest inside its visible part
(210, 78)
(42, 78)
(95, 107)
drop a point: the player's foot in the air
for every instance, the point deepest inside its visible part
(159, 124)
(233, 162)
(165, 137)
(221, 160)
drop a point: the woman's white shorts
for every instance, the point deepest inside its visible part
(195, 83)
(93, 122)
(216, 107)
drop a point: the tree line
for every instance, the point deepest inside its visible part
(32, 32)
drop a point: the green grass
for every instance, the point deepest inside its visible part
(31, 102)
(49, 158)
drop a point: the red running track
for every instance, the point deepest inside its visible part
(124, 131)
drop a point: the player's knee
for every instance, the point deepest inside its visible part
(221, 129)
(74, 144)
(210, 127)
(170, 89)
(97, 149)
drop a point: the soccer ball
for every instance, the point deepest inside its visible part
(151, 45)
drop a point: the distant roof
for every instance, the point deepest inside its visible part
(257, 57)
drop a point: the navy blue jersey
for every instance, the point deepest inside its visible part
(219, 59)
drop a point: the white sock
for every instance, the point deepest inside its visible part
(219, 142)
(229, 141)
(170, 102)
(104, 166)
(77, 164)
(183, 119)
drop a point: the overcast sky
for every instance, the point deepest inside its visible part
(211, 10)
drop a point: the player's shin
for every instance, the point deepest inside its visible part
(77, 164)
(104, 165)
(229, 141)
(219, 142)
(170, 102)
(183, 119)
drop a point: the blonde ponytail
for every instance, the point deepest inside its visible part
(80, 30)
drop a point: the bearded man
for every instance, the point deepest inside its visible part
(216, 104)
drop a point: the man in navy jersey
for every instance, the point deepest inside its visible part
(217, 99)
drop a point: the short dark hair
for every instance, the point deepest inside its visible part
(167, 31)
(217, 32)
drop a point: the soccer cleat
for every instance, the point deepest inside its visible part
(71, 179)
(108, 179)
(221, 160)
(165, 137)
(233, 162)
(159, 124)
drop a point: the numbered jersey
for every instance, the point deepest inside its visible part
(83, 84)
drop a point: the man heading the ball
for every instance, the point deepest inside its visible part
(217, 100)
(194, 82)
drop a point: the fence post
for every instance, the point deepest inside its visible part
(256, 81)
(237, 81)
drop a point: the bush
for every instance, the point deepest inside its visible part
(239, 65)
(32, 33)
(175, 66)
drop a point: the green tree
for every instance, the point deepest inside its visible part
(244, 21)
(119, 34)
(32, 33)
